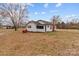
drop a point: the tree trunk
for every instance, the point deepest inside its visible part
(15, 25)
(53, 25)
(53, 28)
(15, 28)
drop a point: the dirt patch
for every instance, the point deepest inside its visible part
(53, 43)
(70, 52)
(2, 34)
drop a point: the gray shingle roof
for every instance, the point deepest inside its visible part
(39, 22)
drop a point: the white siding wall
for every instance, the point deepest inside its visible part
(34, 29)
(48, 29)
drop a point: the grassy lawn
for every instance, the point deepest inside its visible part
(61, 42)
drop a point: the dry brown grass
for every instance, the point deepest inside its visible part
(61, 42)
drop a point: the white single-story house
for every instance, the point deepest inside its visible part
(39, 26)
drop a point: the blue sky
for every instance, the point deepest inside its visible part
(45, 11)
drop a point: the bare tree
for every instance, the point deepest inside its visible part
(16, 12)
(0, 23)
(55, 20)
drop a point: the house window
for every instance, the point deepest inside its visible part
(29, 26)
(39, 27)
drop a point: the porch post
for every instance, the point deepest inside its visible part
(45, 28)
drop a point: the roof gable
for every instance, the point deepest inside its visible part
(40, 22)
(43, 22)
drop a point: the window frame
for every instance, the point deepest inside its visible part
(40, 27)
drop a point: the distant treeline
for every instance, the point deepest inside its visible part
(69, 25)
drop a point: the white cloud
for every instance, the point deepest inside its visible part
(70, 16)
(36, 13)
(58, 5)
(43, 12)
(46, 5)
(30, 4)
(73, 15)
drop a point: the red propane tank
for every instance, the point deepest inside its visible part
(24, 31)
